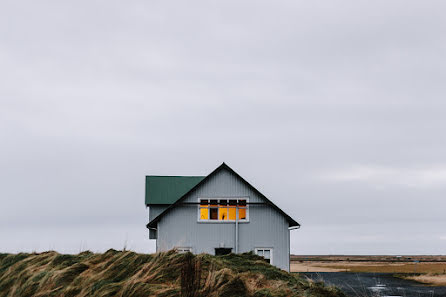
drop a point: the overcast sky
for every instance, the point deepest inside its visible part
(335, 110)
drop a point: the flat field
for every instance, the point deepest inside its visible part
(425, 269)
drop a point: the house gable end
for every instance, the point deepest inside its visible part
(221, 183)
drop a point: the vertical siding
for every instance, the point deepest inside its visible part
(266, 228)
(155, 210)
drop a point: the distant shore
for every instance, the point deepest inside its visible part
(429, 269)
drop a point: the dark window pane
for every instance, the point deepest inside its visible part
(223, 202)
(204, 202)
(242, 202)
(222, 251)
(214, 213)
(232, 202)
(214, 202)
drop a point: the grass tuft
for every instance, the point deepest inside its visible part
(125, 273)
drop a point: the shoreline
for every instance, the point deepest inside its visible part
(425, 273)
(426, 279)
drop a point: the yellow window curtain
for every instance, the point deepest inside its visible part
(204, 213)
(232, 212)
(204, 209)
(242, 214)
(223, 213)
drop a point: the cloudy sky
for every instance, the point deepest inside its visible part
(335, 110)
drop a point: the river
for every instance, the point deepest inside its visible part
(375, 284)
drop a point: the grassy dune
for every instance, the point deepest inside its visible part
(125, 273)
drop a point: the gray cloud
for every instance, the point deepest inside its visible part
(329, 108)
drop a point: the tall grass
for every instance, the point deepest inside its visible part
(125, 273)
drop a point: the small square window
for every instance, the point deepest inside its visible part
(265, 253)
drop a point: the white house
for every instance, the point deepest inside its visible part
(217, 214)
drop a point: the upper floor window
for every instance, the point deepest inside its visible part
(223, 209)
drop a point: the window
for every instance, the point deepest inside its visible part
(266, 253)
(213, 210)
(242, 210)
(183, 250)
(204, 210)
(223, 209)
(222, 251)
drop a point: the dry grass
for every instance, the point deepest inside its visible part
(378, 267)
(126, 273)
(369, 258)
(312, 267)
(431, 279)
(392, 267)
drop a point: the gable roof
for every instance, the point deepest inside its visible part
(168, 189)
(291, 221)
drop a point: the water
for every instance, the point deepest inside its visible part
(375, 284)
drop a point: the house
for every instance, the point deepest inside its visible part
(217, 214)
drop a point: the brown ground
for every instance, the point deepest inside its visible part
(365, 258)
(431, 268)
(379, 267)
(437, 280)
(311, 267)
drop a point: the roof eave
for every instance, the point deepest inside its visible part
(293, 223)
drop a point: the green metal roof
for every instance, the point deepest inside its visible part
(168, 189)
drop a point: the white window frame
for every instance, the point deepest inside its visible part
(271, 250)
(182, 249)
(218, 215)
